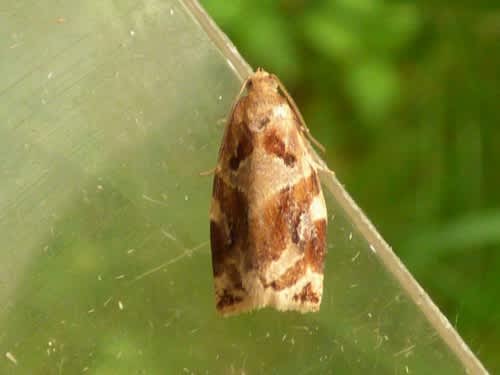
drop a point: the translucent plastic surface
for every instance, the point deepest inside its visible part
(109, 111)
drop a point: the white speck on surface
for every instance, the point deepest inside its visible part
(405, 352)
(132, 32)
(130, 251)
(49, 76)
(220, 97)
(11, 357)
(91, 311)
(120, 305)
(120, 277)
(350, 236)
(186, 197)
(169, 235)
(372, 248)
(171, 12)
(370, 315)
(353, 259)
(154, 200)
(99, 277)
(100, 187)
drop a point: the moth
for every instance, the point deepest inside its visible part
(268, 216)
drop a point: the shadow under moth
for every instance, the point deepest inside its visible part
(268, 216)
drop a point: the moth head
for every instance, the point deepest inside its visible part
(261, 81)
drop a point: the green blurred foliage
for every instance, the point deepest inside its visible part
(404, 95)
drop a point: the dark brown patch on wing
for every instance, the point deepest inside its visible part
(315, 248)
(273, 144)
(307, 188)
(264, 121)
(270, 230)
(286, 218)
(227, 299)
(244, 146)
(290, 159)
(307, 294)
(218, 241)
(235, 277)
(230, 235)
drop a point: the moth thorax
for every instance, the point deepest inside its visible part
(262, 83)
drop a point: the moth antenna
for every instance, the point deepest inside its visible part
(295, 109)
